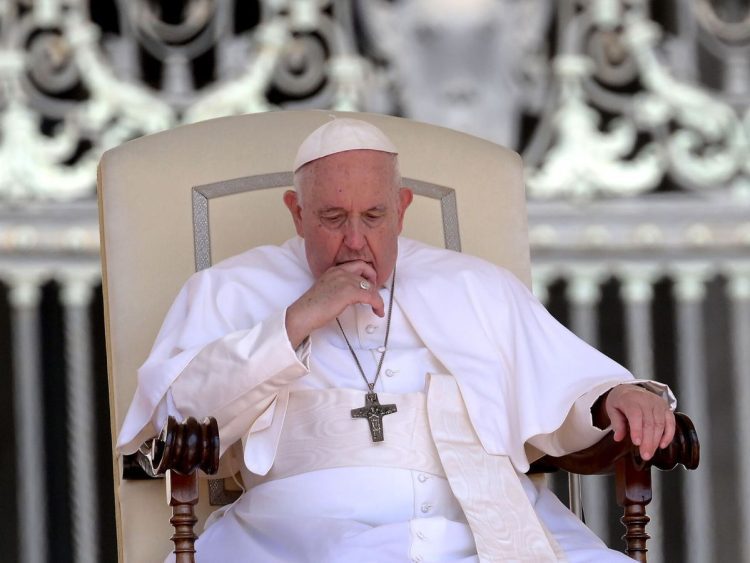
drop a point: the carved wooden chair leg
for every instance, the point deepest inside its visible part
(633, 484)
(182, 494)
(632, 474)
(179, 452)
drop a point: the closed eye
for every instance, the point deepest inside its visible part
(373, 217)
(333, 219)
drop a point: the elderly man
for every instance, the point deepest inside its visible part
(387, 395)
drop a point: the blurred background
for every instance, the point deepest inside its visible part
(633, 118)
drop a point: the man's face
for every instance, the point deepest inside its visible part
(351, 209)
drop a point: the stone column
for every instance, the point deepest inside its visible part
(76, 296)
(739, 295)
(584, 294)
(690, 292)
(24, 297)
(541, 277)
(638, 293)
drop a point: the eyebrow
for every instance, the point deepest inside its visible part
(330, 210)
(379, 207)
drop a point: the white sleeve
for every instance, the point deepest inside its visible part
(237, 378)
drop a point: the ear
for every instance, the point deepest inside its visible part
(405, 197)
(291, 202)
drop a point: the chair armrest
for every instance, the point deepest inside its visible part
(184, 447)
(632, 474)
(601, 458)
(179, 451)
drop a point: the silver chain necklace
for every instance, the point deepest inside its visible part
(373, 411)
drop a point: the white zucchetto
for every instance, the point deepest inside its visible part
(339, 135)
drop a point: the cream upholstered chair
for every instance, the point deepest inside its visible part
(157, 194)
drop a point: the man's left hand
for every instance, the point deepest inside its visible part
(648, 416)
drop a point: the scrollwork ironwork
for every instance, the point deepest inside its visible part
(556, 80)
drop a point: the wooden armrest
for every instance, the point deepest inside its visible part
(632, 474)
(179, 451)
(184, 447)
(601, 458)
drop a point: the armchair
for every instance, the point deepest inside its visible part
(180, 200)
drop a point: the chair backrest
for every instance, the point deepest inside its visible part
(155, 195)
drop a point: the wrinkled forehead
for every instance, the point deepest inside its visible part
(367, 171)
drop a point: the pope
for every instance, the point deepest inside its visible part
(380, 398)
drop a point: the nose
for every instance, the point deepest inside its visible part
(354, 236)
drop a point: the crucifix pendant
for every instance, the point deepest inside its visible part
(374, 412)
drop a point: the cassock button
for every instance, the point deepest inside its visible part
(422, 477)
(426, 507)
(420, 535)
(369, 329)
(390, 373)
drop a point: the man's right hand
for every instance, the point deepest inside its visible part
(331, 293)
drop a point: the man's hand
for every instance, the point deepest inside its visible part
(648, 416)
(331, 293)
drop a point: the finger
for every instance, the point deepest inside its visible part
(669, 430)
(652, 431)
(366, 273)
(378, 307)
(368, 294)
(619, 425)
(364, 284)
(660, 425)
(635, 421)
(360, 268)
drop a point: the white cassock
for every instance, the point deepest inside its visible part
(483, 378)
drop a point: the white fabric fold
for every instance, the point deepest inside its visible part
(503, 522)
(260, 443)
(232, 300)
(518, 369)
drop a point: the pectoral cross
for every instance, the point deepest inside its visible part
(374, 412)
